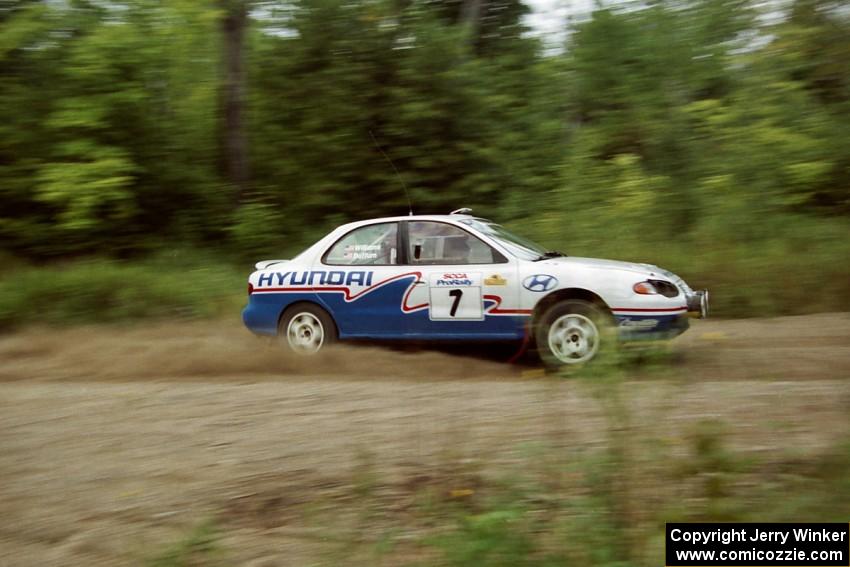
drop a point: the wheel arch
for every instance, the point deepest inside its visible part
(316, 304)
(569, 293)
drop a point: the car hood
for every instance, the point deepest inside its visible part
(598, 263)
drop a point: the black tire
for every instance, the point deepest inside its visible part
(572, 332)
(306, 328)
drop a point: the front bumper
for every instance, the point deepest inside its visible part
(652, 328)
(697, 302)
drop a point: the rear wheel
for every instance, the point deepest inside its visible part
(572, 332)
(306, 328)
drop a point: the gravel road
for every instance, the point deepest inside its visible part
(113, 440)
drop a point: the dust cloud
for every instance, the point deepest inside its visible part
(793, 348)
(211, 350)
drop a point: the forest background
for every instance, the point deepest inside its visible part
(151, 151)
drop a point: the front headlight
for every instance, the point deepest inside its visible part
(656, 287)
(644, 288)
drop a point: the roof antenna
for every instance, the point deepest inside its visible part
(406, 194)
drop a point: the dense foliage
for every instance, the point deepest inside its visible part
(697, 133)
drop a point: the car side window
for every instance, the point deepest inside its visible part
(372, 245)
(441, 243)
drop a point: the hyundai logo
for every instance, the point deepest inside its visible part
(539, 282)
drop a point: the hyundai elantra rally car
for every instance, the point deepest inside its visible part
(460, 278)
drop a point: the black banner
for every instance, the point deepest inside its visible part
(758, 545)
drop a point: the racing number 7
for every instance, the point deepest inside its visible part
(457, 294)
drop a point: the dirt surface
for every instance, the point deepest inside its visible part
(115, 440)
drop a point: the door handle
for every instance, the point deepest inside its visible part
(419, 282)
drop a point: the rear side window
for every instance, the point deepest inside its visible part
(372, 245)
(440, 243)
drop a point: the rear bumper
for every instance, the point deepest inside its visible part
(260, 320)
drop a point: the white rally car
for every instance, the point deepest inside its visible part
(460, 278)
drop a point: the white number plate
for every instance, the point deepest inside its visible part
(456, 296)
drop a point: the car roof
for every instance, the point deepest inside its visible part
(441, 218)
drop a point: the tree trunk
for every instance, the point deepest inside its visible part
(471, 13)
(234, 147)
(470, 16)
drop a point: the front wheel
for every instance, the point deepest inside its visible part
(306, 328)
(571, 332)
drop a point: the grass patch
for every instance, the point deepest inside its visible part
(198, 548)
(791, 265)
(613, 513)
(797, 268)
(178, 284)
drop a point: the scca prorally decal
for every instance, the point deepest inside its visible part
(540, 282)
(454, 280)
(317, 277)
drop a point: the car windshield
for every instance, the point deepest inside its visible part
(517, 245)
